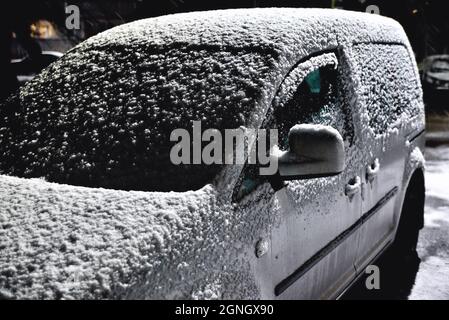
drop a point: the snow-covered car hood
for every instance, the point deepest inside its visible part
(59, 241)
(67, 242)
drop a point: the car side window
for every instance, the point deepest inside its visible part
(317, 98)
(388, 82)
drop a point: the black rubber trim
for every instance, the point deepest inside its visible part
(298, 273)
(417, 135)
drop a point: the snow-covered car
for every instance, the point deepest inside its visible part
(435, 80)
(436, 71)
(92, 207)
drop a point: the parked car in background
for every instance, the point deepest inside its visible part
(435, 80)
(92, 207)
(26, 68)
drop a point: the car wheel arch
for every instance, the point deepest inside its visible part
(412, 208)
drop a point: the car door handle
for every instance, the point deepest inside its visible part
(353, 187)
(372, 170)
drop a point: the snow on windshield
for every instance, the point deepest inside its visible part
(103, 115)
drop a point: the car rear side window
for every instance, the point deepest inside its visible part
(388, 82)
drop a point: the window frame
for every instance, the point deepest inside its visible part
(274, 180)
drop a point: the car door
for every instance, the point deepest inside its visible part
(386, 80)
(312, 246)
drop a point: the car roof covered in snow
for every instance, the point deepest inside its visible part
(289, 31)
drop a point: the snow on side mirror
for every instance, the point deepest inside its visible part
(314, 151)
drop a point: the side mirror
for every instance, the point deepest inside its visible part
(315, 151)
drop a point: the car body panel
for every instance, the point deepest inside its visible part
(387, 149)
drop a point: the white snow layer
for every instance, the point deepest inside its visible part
(100, 106)
(60, 241)
(317, 129)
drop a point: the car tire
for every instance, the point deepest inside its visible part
(412, 218)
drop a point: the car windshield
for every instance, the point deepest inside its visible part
(102, 115)
(440, 66)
